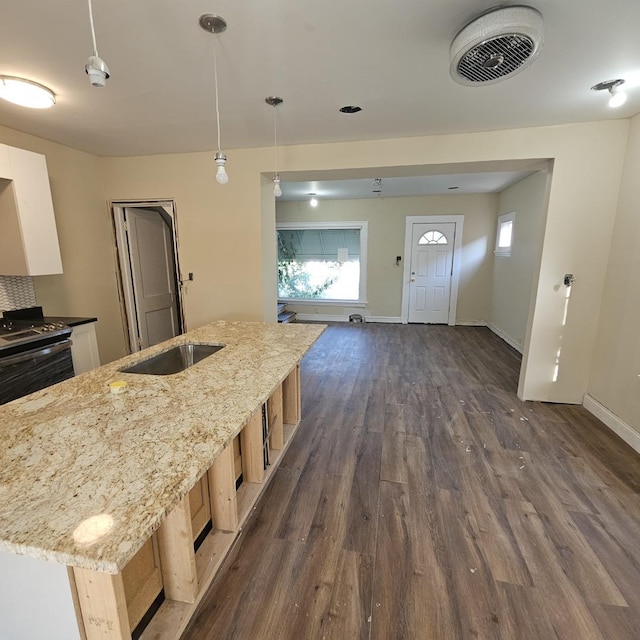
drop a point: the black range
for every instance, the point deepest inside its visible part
(34, 353)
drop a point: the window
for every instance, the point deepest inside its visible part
(433, 237)
(504, 234)
(322, 261)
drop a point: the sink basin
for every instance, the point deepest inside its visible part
(174, 360)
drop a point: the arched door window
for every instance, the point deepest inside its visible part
(433, 237)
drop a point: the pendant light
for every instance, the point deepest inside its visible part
(216, 24)
(274, 101)
(95, 67)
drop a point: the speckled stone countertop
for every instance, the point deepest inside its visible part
(75, 451)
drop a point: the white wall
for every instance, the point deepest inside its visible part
(615, 373)
(514, 276)
(35, 600)
(386, 218)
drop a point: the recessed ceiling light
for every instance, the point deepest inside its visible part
(26, 93)
(314, 201)
(350, 109)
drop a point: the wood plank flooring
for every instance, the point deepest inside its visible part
(421, 500)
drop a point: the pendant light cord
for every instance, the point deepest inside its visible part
(275, 134)
(215, 78)
(93, 30)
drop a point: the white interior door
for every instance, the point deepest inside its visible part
(150, 242)
(431, 263)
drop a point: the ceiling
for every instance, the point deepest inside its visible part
(426, 185)
(390, 58)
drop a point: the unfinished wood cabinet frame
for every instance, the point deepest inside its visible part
(251, 446)
(102, 605)
(222, 491)
(177, 557)
(274, 415)
(291, 400)
(187, 575)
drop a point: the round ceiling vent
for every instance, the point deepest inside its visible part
(496, 45)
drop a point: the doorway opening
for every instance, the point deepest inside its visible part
(151, 287)
(432, 269)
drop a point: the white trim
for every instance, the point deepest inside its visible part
(316, 302)
(611, 420)
(363, 226)
(385, 319)
(471, 323)
(501, 334)
(130, 321)
(455, 268)
(319, 317)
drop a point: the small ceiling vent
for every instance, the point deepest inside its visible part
(496, 45)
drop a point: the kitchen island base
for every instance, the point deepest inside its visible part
(102, 606)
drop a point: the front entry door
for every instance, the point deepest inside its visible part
(153, 274)
(430, 272)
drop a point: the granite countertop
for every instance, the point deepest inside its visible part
(75, 454)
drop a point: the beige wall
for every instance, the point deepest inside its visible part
(88, 285)
(514, 276)
(222, 229)
(615, 374)
(386, 239)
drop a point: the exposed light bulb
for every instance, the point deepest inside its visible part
(617, 99)
(97, 70)
(277, 191)
(313, 202)
(221, 176)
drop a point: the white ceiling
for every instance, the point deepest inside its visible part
(427, 185)
(390, 58)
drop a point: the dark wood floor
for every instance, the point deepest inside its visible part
(421, 500)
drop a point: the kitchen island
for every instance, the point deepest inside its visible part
(92, 482)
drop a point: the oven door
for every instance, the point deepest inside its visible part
(29, 371)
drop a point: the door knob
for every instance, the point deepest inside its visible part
(413, 279)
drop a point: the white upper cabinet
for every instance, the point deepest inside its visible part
(28, 235)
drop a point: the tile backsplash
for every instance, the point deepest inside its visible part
(16, 292)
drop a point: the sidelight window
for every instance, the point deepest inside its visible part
(322, 262)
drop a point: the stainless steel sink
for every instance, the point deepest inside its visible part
(174, 360)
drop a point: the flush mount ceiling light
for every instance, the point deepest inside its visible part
(496, 45)
(95, 67)
(216, 24)
(618, 97)
(26, 93)
(274, 101)
(314, 201)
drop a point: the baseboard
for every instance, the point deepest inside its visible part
(505, 337)
(387, 319)
(471, 323)
(617, 425)
(319, 317)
